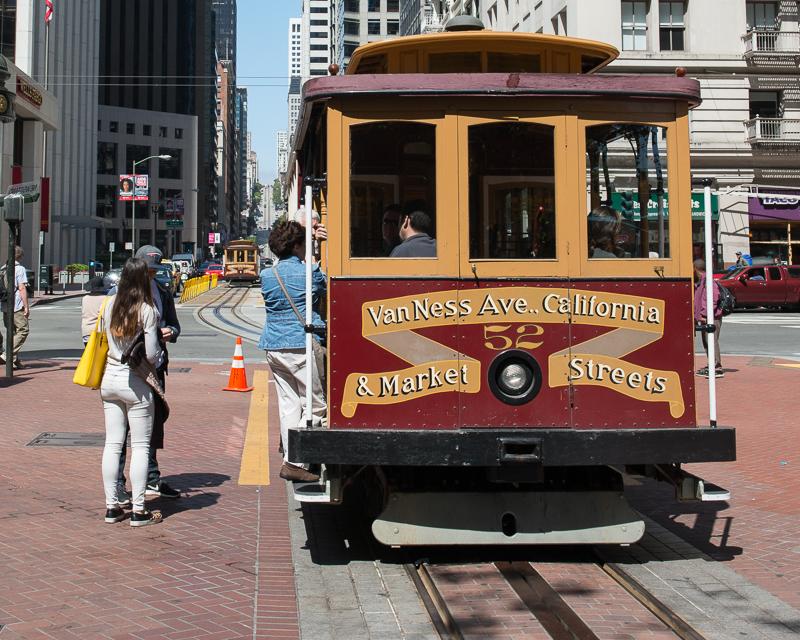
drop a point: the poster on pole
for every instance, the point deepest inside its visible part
(126, 187)
(141, 190)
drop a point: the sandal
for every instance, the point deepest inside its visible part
(144, 518)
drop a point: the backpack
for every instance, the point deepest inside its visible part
(726, 301)
(3, 289)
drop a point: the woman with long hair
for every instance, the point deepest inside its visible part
(127, 396)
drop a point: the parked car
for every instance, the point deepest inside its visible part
(201, 270)
(215, 269)
(164, 277)
(764, 286)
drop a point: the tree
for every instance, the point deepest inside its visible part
(277, 194)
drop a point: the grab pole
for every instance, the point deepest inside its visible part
(309, 317)
(711, 337)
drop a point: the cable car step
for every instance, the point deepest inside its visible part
(507, 518)
(327, 490)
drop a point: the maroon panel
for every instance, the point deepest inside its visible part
(392, 364)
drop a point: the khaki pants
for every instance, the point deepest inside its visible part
(289, 370)
(21, 331)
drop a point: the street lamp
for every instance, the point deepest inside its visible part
(133, 202)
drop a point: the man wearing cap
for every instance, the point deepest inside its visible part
(170, 330)
(740, 261)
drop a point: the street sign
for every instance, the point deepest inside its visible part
(28, 190)
(174, 224)
(111, 247)
(128, 246)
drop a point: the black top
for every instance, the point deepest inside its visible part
(420, 245)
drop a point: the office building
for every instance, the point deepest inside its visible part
(421, 16)
(173, 40)
(746, 134)
(356, 22)
(293, 101)
(315, 39)
(68, 111)
(225, 34)
(295, 52)
(243, 140)
(229, 209)
(282, 151)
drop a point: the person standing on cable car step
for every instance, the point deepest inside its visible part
(700, 316)
(283, 338)
(415, 233)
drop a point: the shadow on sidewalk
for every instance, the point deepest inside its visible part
(193, 484)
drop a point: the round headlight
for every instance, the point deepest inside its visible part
(515, 377)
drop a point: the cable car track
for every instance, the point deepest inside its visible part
(540, 598)
(211, 315)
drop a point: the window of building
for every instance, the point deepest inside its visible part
(393, 5)
(634, 26)
(99, 125)
(170, 169)
(178, 133)
(392, 27)
(105, 201)
(113, 126)
(353, 6)
(317, 10)
(322, 60)
(319, 23)
(319, 72)
(134, 153)
(765, 104)
(391, 163)
(162, 132)
(147, 130)
(618, 225)
(107, 158)
(512, 192)
(373, 5)
(351, 27)
(349, 48)
(671, 26)
(318, 47)
(374, 27)
(762, 16)
(318, 34)
(130, 129)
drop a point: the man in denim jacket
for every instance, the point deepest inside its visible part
(284, 340)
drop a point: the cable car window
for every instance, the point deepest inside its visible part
(626, 165)
(392, 173)
(458, 62)
(512, 63)
(512, 191)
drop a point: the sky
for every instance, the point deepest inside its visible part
(263, 27)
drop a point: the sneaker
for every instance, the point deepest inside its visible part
(719, 373)
(703, 373)
(123, 497)
(114, 515)
(2, 358)
(297, 474)
(161, 489)
(144, 518)
(18, 364)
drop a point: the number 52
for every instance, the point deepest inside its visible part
(500, 337)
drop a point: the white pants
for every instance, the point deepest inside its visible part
(127, 399)
(289, 370)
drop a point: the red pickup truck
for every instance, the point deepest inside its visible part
(764, 286)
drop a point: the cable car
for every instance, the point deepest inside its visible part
(505, 387)
(241, 264)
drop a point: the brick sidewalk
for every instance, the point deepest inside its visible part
(757, 534)
(220, 562)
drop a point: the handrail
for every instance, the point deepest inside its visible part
(773, 129)
(771, 41)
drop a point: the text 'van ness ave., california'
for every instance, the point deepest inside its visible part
(512, 304)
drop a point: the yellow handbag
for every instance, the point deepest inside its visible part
(93, 361)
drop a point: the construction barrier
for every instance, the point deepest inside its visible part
(195, 286)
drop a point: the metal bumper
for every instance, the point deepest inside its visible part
(503, 447)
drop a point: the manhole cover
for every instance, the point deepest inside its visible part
(66, 439)
(181, 370)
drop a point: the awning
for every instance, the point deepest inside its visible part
(775, 207)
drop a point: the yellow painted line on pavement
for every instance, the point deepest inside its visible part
(254, 469)
(791, 366)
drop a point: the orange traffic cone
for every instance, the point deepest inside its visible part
(238, 379)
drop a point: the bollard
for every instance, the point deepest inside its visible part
(63, 288)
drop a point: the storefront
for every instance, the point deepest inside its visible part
(775, 227)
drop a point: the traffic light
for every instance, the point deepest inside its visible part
(626, 204)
